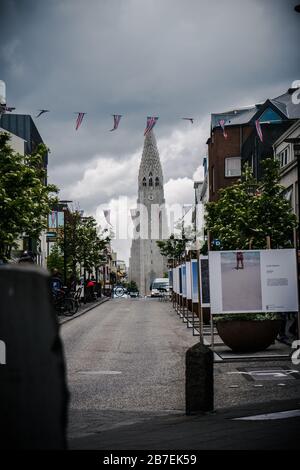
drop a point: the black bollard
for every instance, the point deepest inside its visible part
(33, 391)
(199, 380)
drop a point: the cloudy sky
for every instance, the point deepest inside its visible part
(168, 58)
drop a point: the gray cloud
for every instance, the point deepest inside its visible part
(169, 58)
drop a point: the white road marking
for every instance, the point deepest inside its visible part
(270, 416)
(100, 372)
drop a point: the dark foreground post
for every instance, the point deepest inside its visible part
(199, 384)
(33, 392)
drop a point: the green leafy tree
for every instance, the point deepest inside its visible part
(25, 200)
(247, 212)
(55, 260)
(132, 286)
(173, 247)
(84, 245)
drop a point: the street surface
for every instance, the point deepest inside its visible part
(126, 375)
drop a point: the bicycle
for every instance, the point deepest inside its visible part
(65, 303)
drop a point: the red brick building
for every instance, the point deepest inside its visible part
(241, 144)
(224, 154)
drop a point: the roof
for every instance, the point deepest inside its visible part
(287, 104)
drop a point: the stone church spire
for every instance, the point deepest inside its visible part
(150, 162)
(146, 262)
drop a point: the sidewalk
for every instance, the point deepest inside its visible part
(82, 310)
(218, 430)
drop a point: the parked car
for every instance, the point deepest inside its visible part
(134, 294)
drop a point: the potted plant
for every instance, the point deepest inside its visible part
(248, 215)
(248, 332)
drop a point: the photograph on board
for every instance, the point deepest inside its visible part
(241, 281)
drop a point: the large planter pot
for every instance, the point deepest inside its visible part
(248, 335)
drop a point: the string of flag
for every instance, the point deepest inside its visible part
(150, 123)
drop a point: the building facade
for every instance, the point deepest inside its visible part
(284, 152)
(25, 139)
(146, 263)
(234, 140)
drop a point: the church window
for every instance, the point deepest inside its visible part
(150, 180)
(157, 181)
(144, 182)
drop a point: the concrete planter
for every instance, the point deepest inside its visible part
(248, 335)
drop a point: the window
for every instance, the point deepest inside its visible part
(150, 181)
(232, 166)
(144, 182)
(288, 194)
(269, 116)
(157, 181)
(284, 157)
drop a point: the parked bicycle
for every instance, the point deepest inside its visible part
(65, 302)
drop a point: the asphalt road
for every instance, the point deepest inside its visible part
(125, 358)
(126, 369)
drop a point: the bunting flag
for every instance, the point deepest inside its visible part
(117, 119)
(222, 124)
(258, 130)
(79, 120)
(189, 119)
(42, 111)
(107, 215)
(151, 121)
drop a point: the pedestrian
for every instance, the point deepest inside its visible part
(239, 260)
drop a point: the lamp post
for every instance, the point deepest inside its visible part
(64, 208)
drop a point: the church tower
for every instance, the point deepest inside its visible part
(146, 263)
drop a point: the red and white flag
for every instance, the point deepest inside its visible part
(117, 119)
(258, 130)
(151, 121)
(106, 213)
(79, 120)
(222, 124)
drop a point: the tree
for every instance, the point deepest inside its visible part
(249, 211)
(55, 260)
(132, 286)
(85, 245)
(25, 201)
(172, 247)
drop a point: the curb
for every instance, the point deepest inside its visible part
(82, 312)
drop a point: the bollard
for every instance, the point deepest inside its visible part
(33, 391)
(199, 383)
